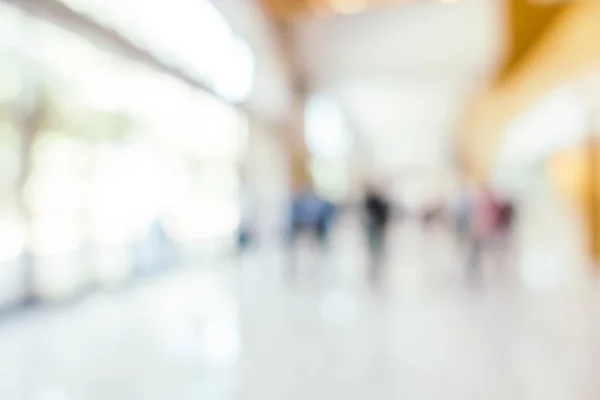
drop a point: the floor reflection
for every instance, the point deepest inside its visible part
(219, 331)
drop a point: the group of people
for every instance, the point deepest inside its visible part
(315, 215)
(482, 221)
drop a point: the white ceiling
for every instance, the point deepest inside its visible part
(403, 73)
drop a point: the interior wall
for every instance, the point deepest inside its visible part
(552, 240)
(568, 49)
(272, 97)
(266, 176)
(575, 175)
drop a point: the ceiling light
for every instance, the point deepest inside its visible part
(348, 6)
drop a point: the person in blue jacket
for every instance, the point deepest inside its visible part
(311, 213)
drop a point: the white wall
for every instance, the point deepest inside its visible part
(267, 184)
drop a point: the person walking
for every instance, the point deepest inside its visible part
(377, 216)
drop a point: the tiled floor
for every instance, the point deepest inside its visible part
(248, 329)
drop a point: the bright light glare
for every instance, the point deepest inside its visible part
(12, 238)
(235, 77)
(128, 191)
(326, 131)
(56, 184)
(195, 124)
(57, 234)
(9, 160)
(331, 179)
(559, 121)
(12, 25)
(192, 33)
(201, 220)
(11, 82)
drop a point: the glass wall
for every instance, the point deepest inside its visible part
(128, 168)
(12, 232)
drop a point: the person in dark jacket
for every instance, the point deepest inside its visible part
(377, 216)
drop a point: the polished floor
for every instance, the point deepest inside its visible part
(256, 328)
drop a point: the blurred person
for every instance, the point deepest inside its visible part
(310, 214)
(433, 213)
(324, 222)
(245, 234)
(483, 226)
(462, 213)
(377, 216)
(504, 230)
(244, 237)
(313, 214)
(152, 252)
(506, 217)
